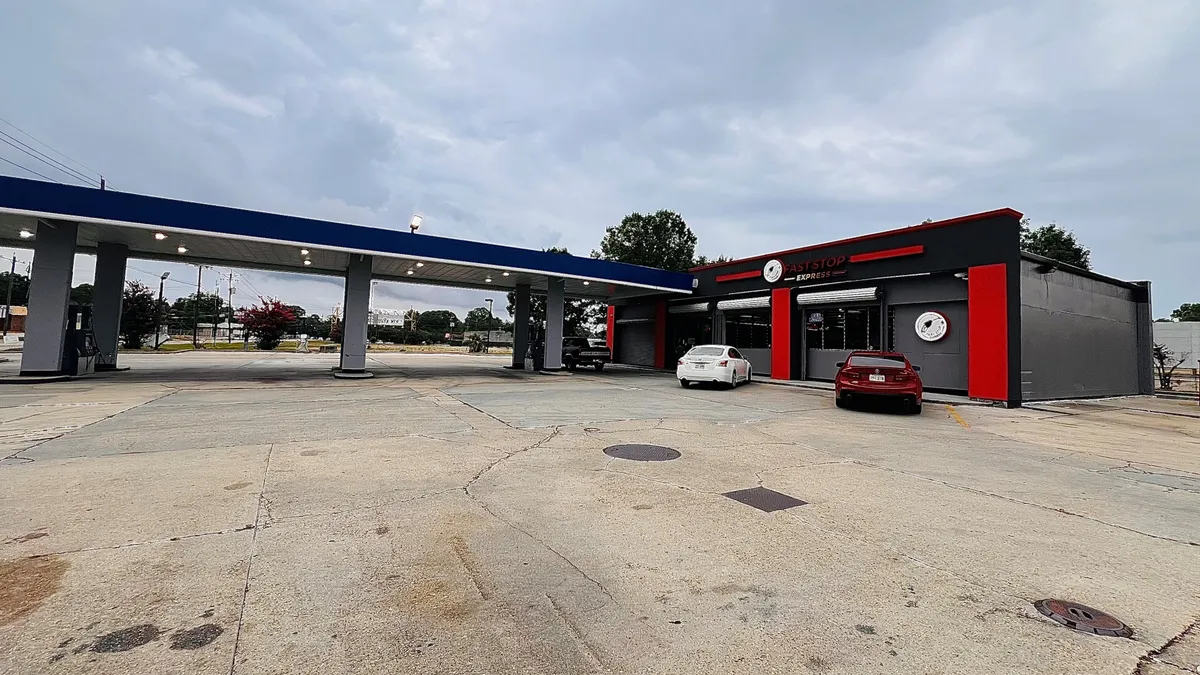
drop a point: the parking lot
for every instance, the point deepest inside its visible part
(248, 513)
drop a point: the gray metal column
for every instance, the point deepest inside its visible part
(1145, 342)
(107, 294)
(555, 289)
(49, 294)
(520, 326)
(354, 318)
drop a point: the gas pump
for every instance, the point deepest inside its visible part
(79, 347)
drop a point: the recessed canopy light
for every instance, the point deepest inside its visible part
(307, 262)
(303, 251)
(587, 283)
(409, 272)
(26, 234)
(159, 236)
(420, 264)
(488, 280)
(182, 249)
(506, 274)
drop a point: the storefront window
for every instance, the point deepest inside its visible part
(748, 329)
(842, 328)
(689, 330)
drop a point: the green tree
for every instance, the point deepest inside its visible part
(477, 319)
(20, 288)
(1188, 311)
(661, 239)
(138, 314)
(440, 322)
(1056, 243)
(701, 261)
(81, 295)
(577, 314)
(267, 321)
(212, 310)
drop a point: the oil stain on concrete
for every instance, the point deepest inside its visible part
(195, 638)
(26, 583)
(125, 639)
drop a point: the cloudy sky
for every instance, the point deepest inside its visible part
(768, 124)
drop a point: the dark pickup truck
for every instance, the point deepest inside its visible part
(577, 351)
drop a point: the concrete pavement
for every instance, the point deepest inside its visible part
(218, 513)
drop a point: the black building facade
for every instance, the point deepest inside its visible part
(958, 297)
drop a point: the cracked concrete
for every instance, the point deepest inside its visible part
(454, 517)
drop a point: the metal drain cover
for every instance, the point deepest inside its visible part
(1083, 618)
(642, 453)
(764, 500)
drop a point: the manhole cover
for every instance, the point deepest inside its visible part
(764, 499)
(641, 453)
(1083, 618)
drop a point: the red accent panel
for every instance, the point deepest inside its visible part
(781, 333)
(738, 275)
(875, 235)
(660, 335)
(987, 332)
(612, 327)
(889, 253)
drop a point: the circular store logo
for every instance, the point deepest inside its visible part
(772, 271)
(932, 326)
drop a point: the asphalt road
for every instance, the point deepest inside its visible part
(244, 513)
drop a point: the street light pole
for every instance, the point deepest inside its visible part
(487, 345)
(158, 310)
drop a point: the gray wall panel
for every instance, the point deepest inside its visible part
(822, 363)
(943, 363)
(1079, 336)
(941, 288)
(760, 359)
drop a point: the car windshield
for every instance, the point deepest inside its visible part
(576, 342)
(706, 351)
(876, 361)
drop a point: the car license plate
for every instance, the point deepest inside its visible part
(700, 366)
(877, 378)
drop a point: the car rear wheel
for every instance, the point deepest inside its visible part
(570, 365)
(683, 383)
(599, 367)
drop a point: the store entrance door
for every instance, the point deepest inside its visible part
(944, 361)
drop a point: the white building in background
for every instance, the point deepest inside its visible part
(1181, 337)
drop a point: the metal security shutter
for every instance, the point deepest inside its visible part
(838, 297)
(761, 301)
(635, 344)
(687, 309)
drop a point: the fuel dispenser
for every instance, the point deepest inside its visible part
(79, 347)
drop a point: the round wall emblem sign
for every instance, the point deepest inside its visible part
(932, 326)
(772, 271)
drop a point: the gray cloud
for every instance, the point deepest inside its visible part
(769, 123)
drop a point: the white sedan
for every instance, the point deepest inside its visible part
(713, 363)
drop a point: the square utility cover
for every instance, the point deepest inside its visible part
(764, 500)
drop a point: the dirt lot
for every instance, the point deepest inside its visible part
(247, 513)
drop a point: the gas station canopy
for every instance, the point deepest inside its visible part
(156, 228)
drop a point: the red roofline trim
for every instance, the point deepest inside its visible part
(875, 235)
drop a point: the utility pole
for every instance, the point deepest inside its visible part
(229, 326)
(8, 296)
(196, 309)
(488, 344)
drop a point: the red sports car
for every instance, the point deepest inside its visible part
(866, 375)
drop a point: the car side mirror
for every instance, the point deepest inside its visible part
(839, 364)
(916, 369)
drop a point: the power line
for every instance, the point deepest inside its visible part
(9, 161)
(49, 161)
(60, 154)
